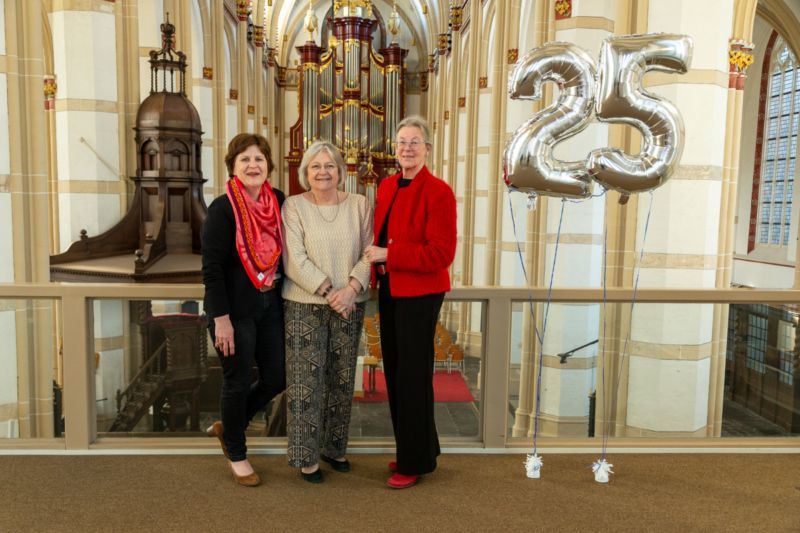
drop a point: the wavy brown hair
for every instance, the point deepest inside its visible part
(242, 142)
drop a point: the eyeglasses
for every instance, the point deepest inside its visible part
(410, 144)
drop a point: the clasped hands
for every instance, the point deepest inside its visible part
(343, 300)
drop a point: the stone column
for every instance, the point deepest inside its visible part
(26, 405)
(672, 371)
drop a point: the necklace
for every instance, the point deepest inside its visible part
(319, 211)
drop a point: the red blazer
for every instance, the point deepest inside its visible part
(421, 237)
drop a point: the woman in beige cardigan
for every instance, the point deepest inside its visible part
(326, 232)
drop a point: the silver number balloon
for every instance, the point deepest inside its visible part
(621, 99)
(528, 159)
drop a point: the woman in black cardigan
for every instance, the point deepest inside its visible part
(241, 247)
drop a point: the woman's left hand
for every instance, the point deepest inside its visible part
(343, 300)
(376, 254)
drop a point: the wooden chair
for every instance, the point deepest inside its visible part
(447, 354)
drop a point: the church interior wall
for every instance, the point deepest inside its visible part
(683, 237)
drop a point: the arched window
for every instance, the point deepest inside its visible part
(779, 146)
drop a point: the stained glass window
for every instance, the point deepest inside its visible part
(780, 132)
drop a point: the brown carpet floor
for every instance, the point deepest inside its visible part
(677, 492)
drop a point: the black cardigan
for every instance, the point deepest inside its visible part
(228, 289)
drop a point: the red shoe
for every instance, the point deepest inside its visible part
(393, 466)
(401, 481)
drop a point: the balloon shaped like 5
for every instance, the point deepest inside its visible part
(528, 160)
(621, 99)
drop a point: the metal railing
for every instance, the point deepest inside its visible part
(79, 390)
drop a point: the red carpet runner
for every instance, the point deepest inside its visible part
(446, 388)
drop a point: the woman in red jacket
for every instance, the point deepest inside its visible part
(415, 242)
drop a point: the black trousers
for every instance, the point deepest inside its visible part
(408, 326)
(258, 341)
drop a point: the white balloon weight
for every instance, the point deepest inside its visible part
(602, 470)
(533, 466)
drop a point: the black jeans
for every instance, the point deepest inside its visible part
(258, 341)
(408, 326)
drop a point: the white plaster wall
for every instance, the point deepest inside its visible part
(511, 273)
(85, 59)
(2, 27)
(482, 175)
(414, 104)
(762, 275)
(703, 109)
(8, 371)
(481, 204)
(484, 119)
(461, 180)
(93, 212)
(694, 19)
(594, 8)
(195, 58)
(668, 395)
(231, 123)
(684, 219)
(566, 392)
(144, 79)
(570, 326)
(6, 240)
(478, 267)
(672, 324)
(108, 317)
(577, 265)
(109, 377)
(5, 157)
(518, 311)
(679, 278)
(76, 160)
(290, 113)
(588, 39)
(209, 171)
(151, 16)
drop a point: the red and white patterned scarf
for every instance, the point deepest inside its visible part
(258, 231)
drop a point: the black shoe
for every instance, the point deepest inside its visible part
(339, 466)
(313, 477)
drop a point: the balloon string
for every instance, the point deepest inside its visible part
(638, 270)
(539, 335)
(603, 348)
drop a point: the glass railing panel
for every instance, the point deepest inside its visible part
(568, 363)
(156, 370)
(667, 371)
(158, 373)
(762, 371)
(31, 370)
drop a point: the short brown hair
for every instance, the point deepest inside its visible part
(242, 142)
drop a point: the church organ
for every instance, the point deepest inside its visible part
(350, 94)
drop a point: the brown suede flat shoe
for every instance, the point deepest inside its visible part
(250, 480)
(215, 430)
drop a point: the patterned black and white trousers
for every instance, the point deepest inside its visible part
(321, 353)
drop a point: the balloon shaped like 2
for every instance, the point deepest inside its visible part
(621, 99)
(528, 160)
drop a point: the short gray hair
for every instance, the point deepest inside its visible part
(415, 121)
(312, 152)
